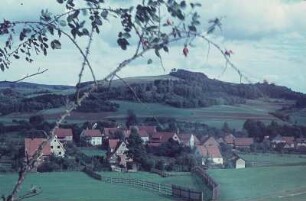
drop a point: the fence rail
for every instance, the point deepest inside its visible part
(165, 189)
(209, 181)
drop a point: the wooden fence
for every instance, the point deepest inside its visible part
(209, 181)
(165, 189)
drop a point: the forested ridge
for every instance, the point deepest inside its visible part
(183, 89)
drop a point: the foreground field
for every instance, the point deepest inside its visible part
(78, 186)
(262, 184)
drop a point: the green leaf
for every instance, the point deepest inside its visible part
(126, 35)
(149, 61)
(55, 44)
(60, 1)
(104, 14)
(192, 28)
(62, 23)
(183, 4)
(85, 32)
(2, 67)
(166, 49)
(16, 56)
(157, 52)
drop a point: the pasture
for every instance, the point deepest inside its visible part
(270, 159)
(261, 184)
(214, 116)
(69, 186)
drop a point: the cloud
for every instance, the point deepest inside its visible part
(245, 20)
(268, 38)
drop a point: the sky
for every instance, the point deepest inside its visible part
(268, 38)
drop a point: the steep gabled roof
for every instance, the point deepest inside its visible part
(63, 132)
(229, 139)
(288, 140)
(209, 151)
(301, 140)
(184, 137)
(244, 141)
(143, 133)
(148, 129)
(113, 143)
(109, 131)
(210, 142)
(162, 137)
(92, 133)
(32, 145)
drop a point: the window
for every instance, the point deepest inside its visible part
(51, 147)
(59, 153)
(58, 147)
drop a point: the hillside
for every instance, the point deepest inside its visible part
(179, 89)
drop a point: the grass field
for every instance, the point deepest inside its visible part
(214, 116)
(269, 159)
(78, 186)
(92, 151)
(262, 184)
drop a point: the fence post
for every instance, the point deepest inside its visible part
(159, 188)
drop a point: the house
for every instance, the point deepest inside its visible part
(243, 143)
(239, 163)
(92, 136)
(112, 144)
(57, 147)
(64, 134)
(111, 132)
(117, 156)
(54, 147)
(229, 139)
(149, 129)
(283, 141)
(31, 145)
(210, 154)
(144, 135)
(188, 140)
(210, 141)
(162, 137)
(289, 142)
(300, 143)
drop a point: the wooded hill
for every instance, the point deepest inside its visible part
(181, 89)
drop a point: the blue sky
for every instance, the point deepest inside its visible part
(268, 38)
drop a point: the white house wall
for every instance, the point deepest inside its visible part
(57, 148)
(96, 141)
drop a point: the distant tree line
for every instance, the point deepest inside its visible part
(191, 90)
(258, 129)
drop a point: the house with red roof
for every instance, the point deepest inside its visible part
(188, 140)
(31, 145)
(285, 142)
(229, 139)
(53, 146)
(148, 129)
(64, 134)
(117, 156)
(92, 136)
(300, 143)
(111, 132)
(243, 142)
(211, 141)
(158, 138)
(210, 154)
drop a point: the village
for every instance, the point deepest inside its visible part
(207, 151)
